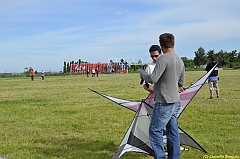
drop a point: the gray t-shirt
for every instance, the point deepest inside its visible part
(167, 77)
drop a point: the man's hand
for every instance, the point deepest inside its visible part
(182, 89)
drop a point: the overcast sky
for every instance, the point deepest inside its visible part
(44, 33)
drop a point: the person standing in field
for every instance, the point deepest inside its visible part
(42, 74)
(167, 77)
(155, 53)
(93, 72)
(213, 77)
(32, 74)
(88, 72)
(97, 72)
(112, 70)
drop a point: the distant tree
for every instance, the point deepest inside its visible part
(187, 62)
(232, 56)
(210, 54)
(191, 63)
(27, 71)
(133, 67)
(222, 55)
(68, 67)
(238, 57)
(139, 61)
(233, 61)
(64, 67)
(200, 57)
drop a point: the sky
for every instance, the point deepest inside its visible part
(42, 34)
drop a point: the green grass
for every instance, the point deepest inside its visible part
(60, 118)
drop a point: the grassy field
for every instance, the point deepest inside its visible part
(60, 118)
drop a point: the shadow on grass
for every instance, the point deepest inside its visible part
(76, 148)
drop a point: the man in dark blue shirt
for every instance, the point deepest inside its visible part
(213, 77)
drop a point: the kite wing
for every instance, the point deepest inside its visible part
(125, 103)
(137, 139)
(186, 139)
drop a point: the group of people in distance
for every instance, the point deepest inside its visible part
(165, 77)
(94, 72)
(32, 73)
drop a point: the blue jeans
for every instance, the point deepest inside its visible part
(165, 116)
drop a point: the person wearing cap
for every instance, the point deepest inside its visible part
(155, 53)
(213, 77)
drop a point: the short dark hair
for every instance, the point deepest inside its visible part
(155, 48)
(167, 40)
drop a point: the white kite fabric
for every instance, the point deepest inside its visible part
(136, 138)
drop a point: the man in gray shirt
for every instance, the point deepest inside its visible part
(167, 77)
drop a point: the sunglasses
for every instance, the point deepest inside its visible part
(152, 56)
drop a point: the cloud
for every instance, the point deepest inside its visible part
(124, 12)
(118, 12)
(127, 12)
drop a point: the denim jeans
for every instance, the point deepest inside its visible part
(165, 116)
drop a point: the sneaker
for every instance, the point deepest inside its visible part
(217, 96)
(211, 97)
(183, 148)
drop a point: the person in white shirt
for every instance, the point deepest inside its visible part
(155, 53)
(93, 72)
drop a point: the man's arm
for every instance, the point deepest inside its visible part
(181, 80)
(208, 67)
(182, 76)
(145, 76)
(157, 72)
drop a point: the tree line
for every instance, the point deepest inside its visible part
(67, 65)
(228, 59)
